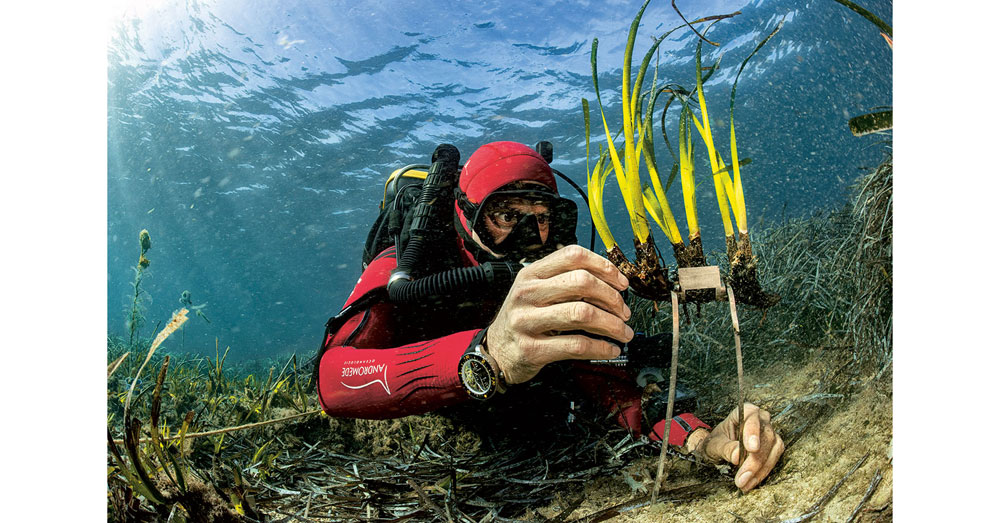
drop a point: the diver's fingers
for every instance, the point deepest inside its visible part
(574, 257)
(575, 315)
(577, 347)
(576, 285)
(723, 444)
(751, 427)
(522, 360)
(759, 464)
(750, 467)
(720, 448)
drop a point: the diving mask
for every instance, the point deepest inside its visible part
(523, 239)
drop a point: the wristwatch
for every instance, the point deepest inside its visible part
(479, 372)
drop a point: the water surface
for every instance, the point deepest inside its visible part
(252, 139)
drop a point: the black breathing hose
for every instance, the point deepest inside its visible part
(431, 217)
(466, 283)
(429, 212)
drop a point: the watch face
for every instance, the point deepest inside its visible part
(477, 376)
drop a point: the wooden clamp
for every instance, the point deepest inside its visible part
(698, 284)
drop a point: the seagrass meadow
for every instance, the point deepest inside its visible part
(246, 153)
(195, 438)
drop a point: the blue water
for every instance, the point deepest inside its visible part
(252, 139)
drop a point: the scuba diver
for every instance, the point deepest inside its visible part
(483, 292)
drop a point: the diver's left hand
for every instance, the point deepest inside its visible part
(763, 445)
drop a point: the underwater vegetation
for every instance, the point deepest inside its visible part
(134, 321)
(879, 120)
(168, 470)
(206, 440)
(198, 440)
(648, 275)
(836, 267)
(194, 438)
(868, 260)
(215, 456)
(153, 406)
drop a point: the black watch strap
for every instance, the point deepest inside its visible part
(501, 377)
(479, 340)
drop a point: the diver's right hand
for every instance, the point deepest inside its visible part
(572, 289)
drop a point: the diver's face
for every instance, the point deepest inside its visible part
(502, 215)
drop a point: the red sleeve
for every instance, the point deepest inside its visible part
(611, 388)
(618, 394)
(364, 374)
(393, 382)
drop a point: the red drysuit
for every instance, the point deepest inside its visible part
(387, 361)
